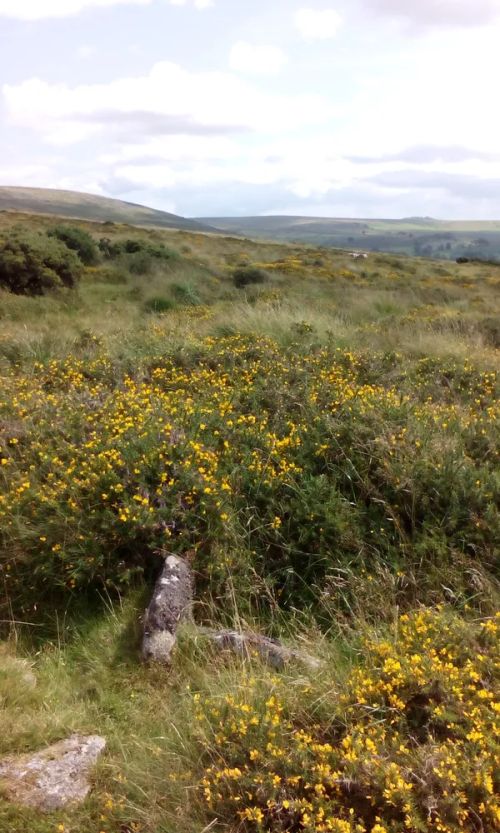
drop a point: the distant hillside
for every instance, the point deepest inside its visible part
(78, 206)
(421, 236)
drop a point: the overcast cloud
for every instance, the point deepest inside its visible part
(349, 108)
(40, 9)
(439, 12)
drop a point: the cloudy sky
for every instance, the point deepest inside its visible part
(369, 108)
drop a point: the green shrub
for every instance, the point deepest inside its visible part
(138, 263)
(134, 246)
(158, 305)
(136, 255)
(246, 275)
(31, 264)
(79, 241)
(186, 294)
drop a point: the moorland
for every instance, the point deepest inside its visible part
(413, 236)
(319, 438)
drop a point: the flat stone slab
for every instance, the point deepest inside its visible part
(54, 777)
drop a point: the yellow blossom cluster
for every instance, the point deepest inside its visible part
(409, 744)
(267, 460)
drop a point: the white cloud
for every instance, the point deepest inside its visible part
(317, 24)
(41, 9)
(46, 175)
(169, 100)
(198, 4)
(256, 59)
(438, 12)
(86, 51)
(405, 126)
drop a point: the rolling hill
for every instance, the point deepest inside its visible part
(421, 236)
(74, 205)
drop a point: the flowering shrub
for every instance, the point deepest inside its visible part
(411, 744)
(279, 467)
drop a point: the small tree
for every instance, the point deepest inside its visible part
(79, 241)
(31, 264)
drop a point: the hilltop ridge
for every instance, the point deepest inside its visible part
(80, 206)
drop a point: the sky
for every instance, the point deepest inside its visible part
(342, 108)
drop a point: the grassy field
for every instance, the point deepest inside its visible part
(323, 446)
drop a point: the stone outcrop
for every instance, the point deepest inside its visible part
(53, 778)
(171, 603)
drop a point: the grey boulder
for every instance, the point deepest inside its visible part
(53, 778)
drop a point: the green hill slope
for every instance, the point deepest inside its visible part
(420, 236)
(75, 205)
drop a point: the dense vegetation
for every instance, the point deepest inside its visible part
(281, 467)
(320, 439)
(32, 264)
(79, 240)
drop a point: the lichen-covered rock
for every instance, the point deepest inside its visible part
(253, 644)
(53, 778)
(171, 603)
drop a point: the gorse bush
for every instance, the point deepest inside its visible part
(138, 256)
(247, 275)
(284, 469)
(138, 263)
(131, 246)
(31, 264)
(408, 743)
(79, 241)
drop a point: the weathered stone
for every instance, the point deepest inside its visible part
(269, 650)
(171, 603)
(53, 778)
